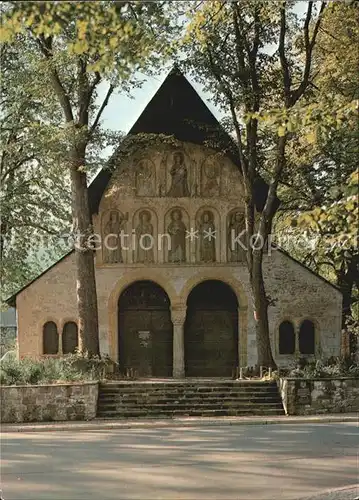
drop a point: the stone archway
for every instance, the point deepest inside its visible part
(130, 277)
(145, 330)
(211, 330)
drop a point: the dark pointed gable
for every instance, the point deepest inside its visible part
(175, 110)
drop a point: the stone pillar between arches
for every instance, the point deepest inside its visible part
(178, 316)
(242, 336)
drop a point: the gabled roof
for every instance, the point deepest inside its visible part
(314, 273)
(11, 301)
(177, 110)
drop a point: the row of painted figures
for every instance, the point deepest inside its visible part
(204, 235)
(179, 174)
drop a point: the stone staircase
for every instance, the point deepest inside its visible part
(202, 398)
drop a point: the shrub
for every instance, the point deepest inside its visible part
(331, 368)
(70, 368)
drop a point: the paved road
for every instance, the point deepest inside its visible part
(218, 462)
(351, 493)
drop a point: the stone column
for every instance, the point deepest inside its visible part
(242, 336)
(178, 316)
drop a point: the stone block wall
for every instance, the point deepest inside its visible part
(316, 396)
(46, 403)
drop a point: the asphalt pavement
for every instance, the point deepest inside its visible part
(244, 462)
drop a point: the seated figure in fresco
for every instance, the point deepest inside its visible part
(144, 231)
(179, 182)
(177, 231)
(112, 251)
(236, 225)
(207, 249)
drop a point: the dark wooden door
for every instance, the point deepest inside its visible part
(211, 331)
(145, 330)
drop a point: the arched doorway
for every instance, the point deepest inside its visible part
(211, 330)
(145, 330)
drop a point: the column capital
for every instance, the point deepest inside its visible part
(178, 314)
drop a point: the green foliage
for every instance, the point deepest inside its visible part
(334, 367)
(116, 37)
(318, 220)
(339, 219)
(70, 368)
(34, 193)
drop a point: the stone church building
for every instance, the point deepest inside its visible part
(172, 284)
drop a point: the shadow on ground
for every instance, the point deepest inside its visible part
(239, 462)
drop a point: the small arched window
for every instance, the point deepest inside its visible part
(286, 338)
(69, 337)
(307, 337)
(50, 338)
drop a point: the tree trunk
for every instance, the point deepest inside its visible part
(260, 303)
(85, 266)
(348, 276)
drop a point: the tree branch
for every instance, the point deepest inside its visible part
(100, 111)
(85, 90)
(287, 80)
(268, 210)
(309, 45)
(229, 96)
(45, 45)
(17, 165)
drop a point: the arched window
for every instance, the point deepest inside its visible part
(286, 338)
(307, 337)
(69, 337)
(50, 338)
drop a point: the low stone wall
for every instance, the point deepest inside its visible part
(315, 396)
(46, 403)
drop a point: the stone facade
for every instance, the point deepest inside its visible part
(166, 192)
(314, 396)
(45, 403)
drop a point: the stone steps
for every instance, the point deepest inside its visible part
(179, 407)
(186, 385)
(191, 395)
(118, 400)
(190, 413)
(187, 389)
(175, 399)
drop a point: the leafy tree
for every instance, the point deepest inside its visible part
(75, 47)
(320, 190)
(256, 58)
(34, 190)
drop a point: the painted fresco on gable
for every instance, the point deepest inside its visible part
(145, 238)
(112, 249)
(207, 237)
(157, 178)
(236, 228)
(177, 232)
(232, 184)
(145, 178)
(179, 176)
(211, 177)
